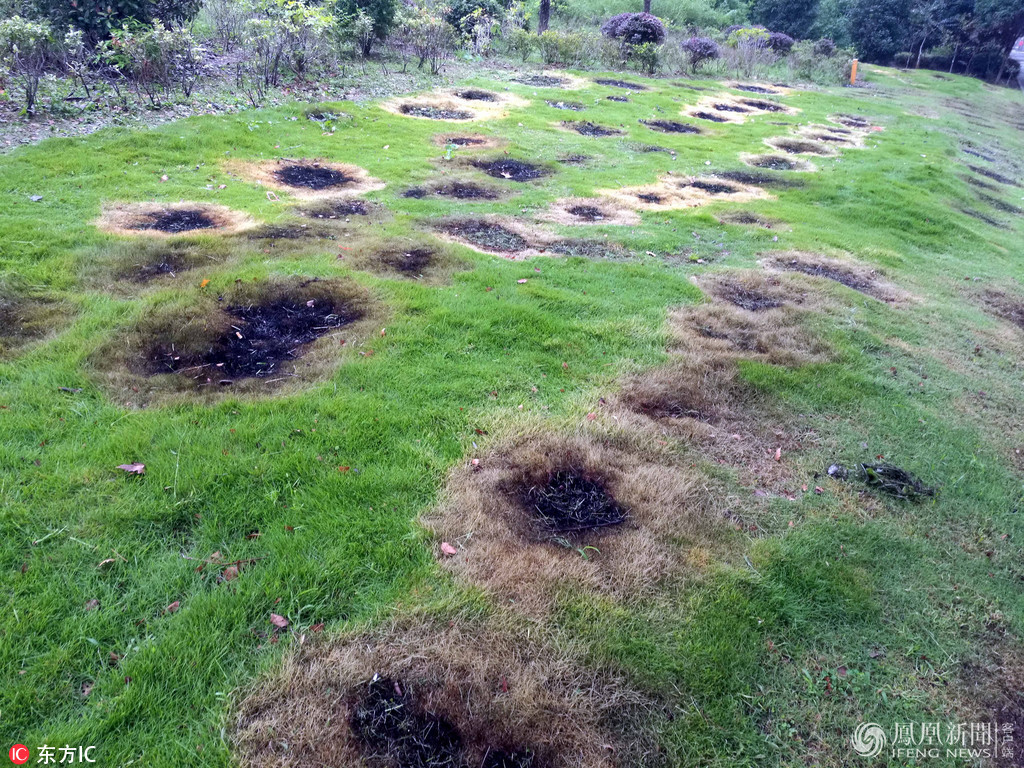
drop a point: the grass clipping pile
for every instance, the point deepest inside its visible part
(547, 513)
(436, 693)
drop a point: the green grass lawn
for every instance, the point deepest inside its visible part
(835, 607)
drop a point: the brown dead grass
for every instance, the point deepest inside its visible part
(1004, 305)
(526, 241)
(776, 335)
(502, 687)
(422, 260)
(262, 172)
(847, 272)
(573, 211)
(672, 192)
(134, 219)
(26, 317)
(670, 511)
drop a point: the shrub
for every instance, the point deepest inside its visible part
(565, 48)
(699, 51)
(380, 12)
(780, 42)
(806, 63)
(27, 47)
(646, 56)
(227, 19)
(433, 39)
(154, 59)
(283, 33)
(825, 47)
(464, 14)
(97, 18)
(521, 42)
(634, 28)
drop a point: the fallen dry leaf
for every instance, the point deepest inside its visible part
(778, 454)
(231, 572)
(173, 607)
(278, 621)
(319, 627)
(448, 549)
(133, 469)
(92, 605)
(105, 563)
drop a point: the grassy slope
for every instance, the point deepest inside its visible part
(825, 592)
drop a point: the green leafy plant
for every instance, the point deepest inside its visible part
(27, 47)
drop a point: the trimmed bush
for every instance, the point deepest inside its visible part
(825, 47)
(700, 50)
(780, 42)
(634, 28)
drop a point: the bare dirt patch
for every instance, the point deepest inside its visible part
(308, 178)
(587, 128)
(440, 692)
(171, 219)
(589, 210)
(510, 169)
(543, 513)
(670, 126)
(1005, 305)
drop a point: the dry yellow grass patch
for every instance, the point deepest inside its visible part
(572, 211)
(507, 547)
(338, 179)
(447, 105)
(149, 219)
(468, 141)
(672, 192)
(755, 316)
(847, 272)
(828, 134)
(499, 688)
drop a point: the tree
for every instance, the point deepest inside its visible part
(543, 16)
(97, 17)
(794, 17)
(382, 12)
(879, 28)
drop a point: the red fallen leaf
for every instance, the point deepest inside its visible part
(253, 535)
(289, 528)
(92, 605)
(114, 659)
(133, 469)
(173, 607)
(317, 627)
(565, 366)
(842, 671)
(231, 572)
(819, 490)
(480, 431)
(278, 620)
(778, 454)
(488, 289)
(448, 549)
(344, 469)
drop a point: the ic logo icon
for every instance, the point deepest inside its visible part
(868, 740)
(18, 754)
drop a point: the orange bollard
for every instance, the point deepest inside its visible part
(853, 73)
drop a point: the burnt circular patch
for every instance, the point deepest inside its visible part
(434, 113)
(312, 176)
(587, 128)
(511, 169)
(800, 147)
(571, 501)
(573, 106)
(775, 163)
(852, 121)
(763, 106)
(466, 190)
(727, 107)
(257, 336)
(621, 84)
(670, 126)
(486, 235)
(541, 81)
(586, 212)
(712, 187)
(409, 262)
(464, 141)
(830, 272)
(756, 89)
(476, 94)
(415, 193)
(339, 209)
(748, 298)
(711, 116)
(175, 220)
(650, 197)
(619, 99)
(575, 159)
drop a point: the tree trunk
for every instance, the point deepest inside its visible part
(543, 16)
(647, 6)
(920, 51)
(952, 62)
